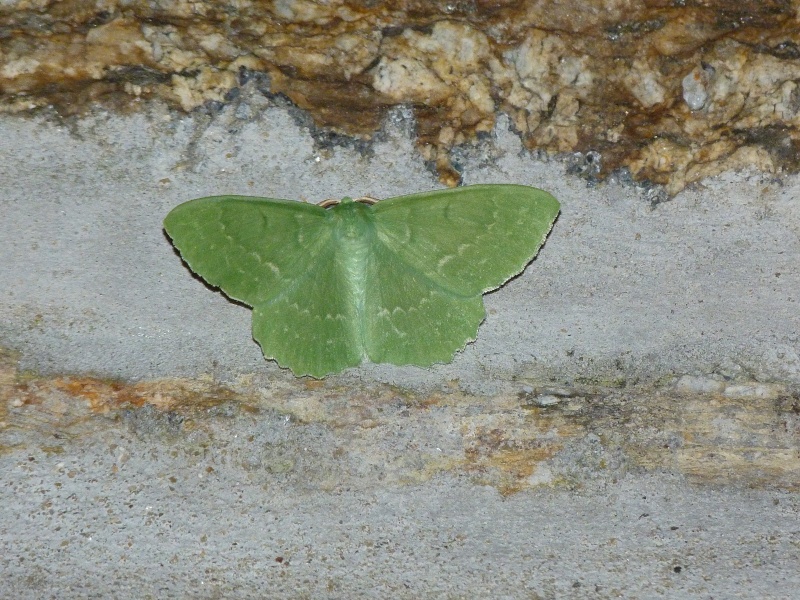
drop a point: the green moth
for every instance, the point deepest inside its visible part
(334, 284)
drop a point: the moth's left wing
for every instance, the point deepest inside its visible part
(468, 240)
(251, 248)
(312, 325)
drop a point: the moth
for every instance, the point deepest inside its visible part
(339, 283)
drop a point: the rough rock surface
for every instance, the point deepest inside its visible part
(672, 91)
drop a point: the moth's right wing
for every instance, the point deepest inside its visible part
(253, 249)
(468, 240)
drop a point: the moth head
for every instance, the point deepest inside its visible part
(351, 215)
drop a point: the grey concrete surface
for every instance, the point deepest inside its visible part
(226, 502)
(625, 291)
(163, 529)
(621, 289)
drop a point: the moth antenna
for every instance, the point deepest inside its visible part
(333, 201)
(328, 203)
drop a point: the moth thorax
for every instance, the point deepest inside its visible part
(354, 222)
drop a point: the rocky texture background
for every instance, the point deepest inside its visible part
(627, 423)
(669, 91)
